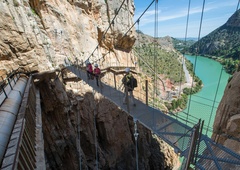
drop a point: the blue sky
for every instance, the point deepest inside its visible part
(172, 16)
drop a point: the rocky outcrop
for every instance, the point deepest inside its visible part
(37, 35)
(104, 131)
(227, 120)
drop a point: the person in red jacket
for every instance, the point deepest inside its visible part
(97, 73)
(89, 71)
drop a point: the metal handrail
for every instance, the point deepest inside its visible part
(7, 83)
(26, 131)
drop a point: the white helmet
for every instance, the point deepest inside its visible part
(95, 65)
(87, 62)
(127, 70)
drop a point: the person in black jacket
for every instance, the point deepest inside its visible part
(128, 87)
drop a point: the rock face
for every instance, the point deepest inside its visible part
(104, 131)
(37, 35)
(227, 120)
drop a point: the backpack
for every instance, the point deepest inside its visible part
(133, 82)
(130, 81)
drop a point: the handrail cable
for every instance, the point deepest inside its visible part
(185, 41)
(195, 62)
(155, 52)
(132, 25)
(79, 129)
(112, 22)
(140, 17)
(128, 26)
(154, 95)
(95, 129)
(205, 98)
(192, 121)
(148, 65)
(182, 118)
(183, 135)
(215, 97)
(186, 31)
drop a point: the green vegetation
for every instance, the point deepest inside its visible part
(166, 63)
(229, 64)
(178, 103)
(152, 56)
(182, 45)
(33, 11)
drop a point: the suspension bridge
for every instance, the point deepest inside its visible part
(20, 127)
(206, 153)
(21, 132)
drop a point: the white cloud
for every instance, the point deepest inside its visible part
(149, 16)
(174, 18)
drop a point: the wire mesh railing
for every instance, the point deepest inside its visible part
(200, 109)
(173, 131)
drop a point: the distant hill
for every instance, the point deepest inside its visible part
(167, 61)
(224, 41)
(222, 44)
(160, 55)
(187, 39)
(180, 44)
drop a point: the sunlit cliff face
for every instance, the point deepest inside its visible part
(227, 120)
(39, 35)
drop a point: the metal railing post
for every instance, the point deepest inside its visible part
(136, 137)
(4, 91)
(115, 81)
(127, 98)
(9, 82)
(193, 145)
(146, 85)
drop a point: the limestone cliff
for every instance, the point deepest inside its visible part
(227, 120)
(106, 133)
(36, 36)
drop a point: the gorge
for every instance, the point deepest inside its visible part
(38, 35)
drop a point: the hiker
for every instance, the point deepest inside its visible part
(129, 85)
(97, 73)
(89, 70)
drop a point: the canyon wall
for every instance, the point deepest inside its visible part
(227, 121)
(38, 36)
(106, 133)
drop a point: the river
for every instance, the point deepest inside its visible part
(203, 105)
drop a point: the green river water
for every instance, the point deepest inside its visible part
(203, 105)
